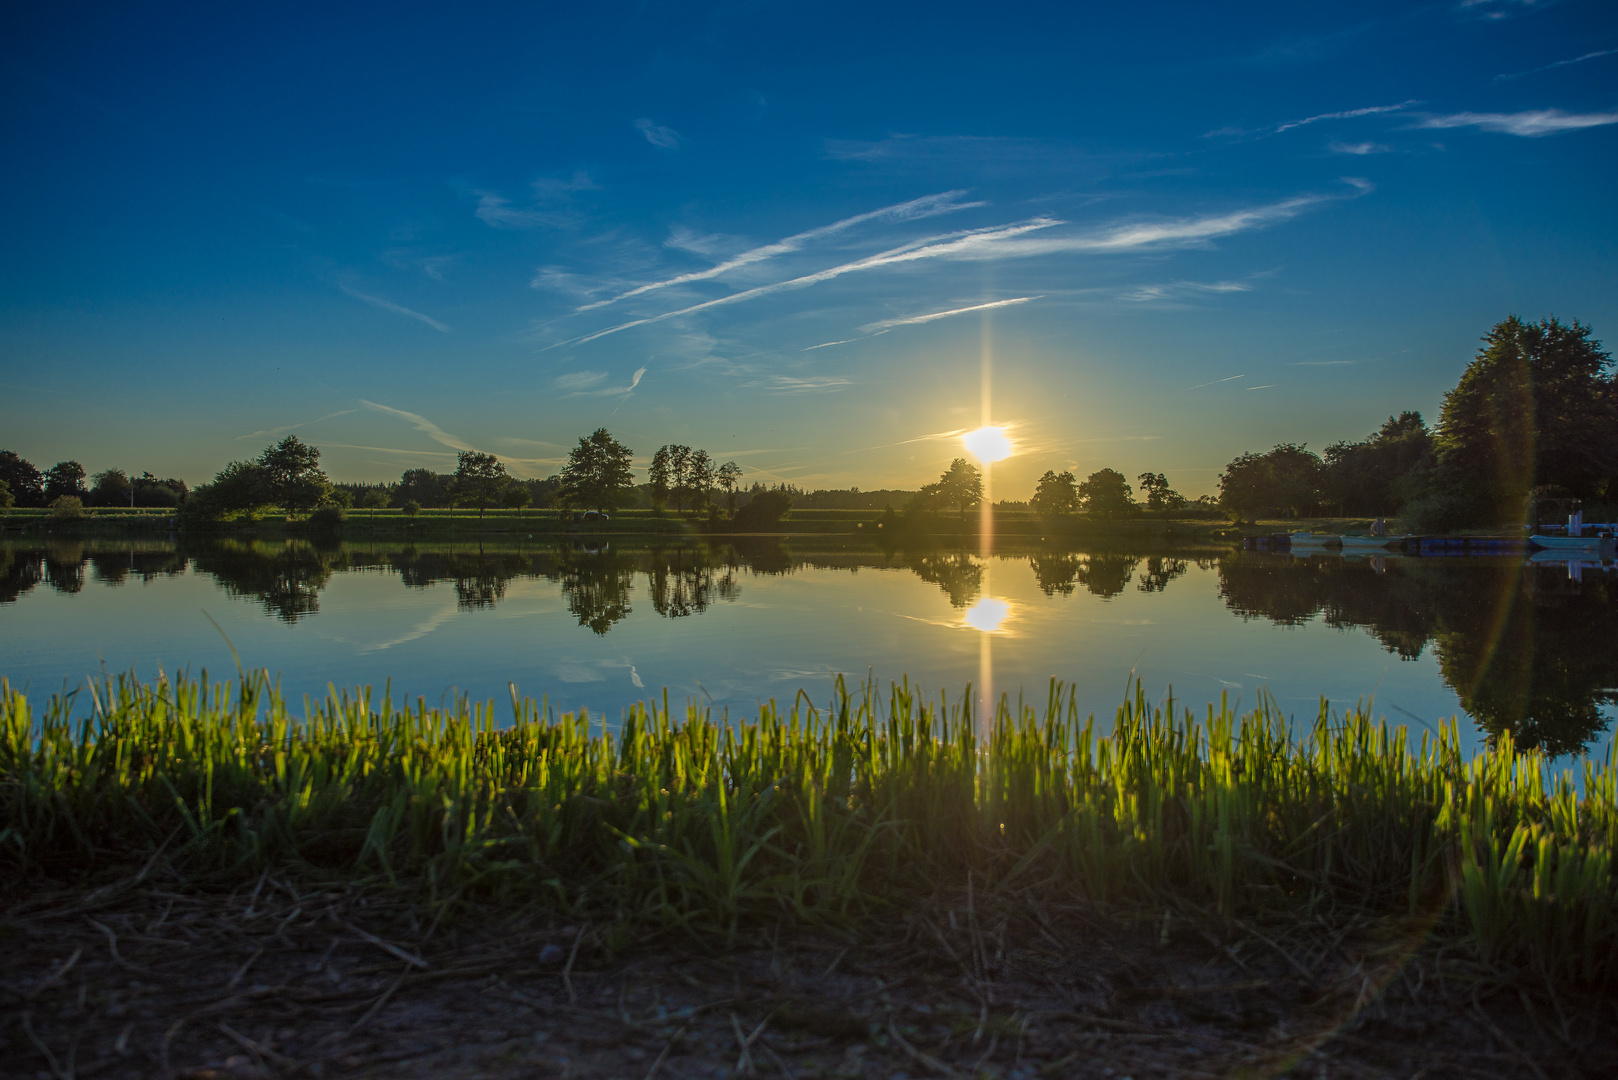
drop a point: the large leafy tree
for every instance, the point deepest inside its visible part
(1382, 473)
(1537, 407)
(1056, 493)
(64, 478)
(598, 474)
(729, 477)
(291, 475)
(112, 488)
(26, 482)
(1159, 496)
(960, 486)
(1284, 480)
(1106, 491)
(479, 479)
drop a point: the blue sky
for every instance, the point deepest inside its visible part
(788, 233)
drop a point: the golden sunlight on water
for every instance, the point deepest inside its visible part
(987, 615)
(988, 443)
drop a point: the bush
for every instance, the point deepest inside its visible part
(330, 516)
(1439, 514)
(67, 508)
(411, 508)
(763, 512)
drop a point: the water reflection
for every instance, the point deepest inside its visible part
(1529, 646)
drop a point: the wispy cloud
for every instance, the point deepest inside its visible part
(1216, 382)
(579, 380)
(1530, 124)
(282, 430)
(497, 211)
(397, 309)
(422, 424)
(1176, 289)
(663, 138)
(1011, 241)
(1500, 9)
(1360, 148)
(790, 384)
(889, 324)
(1346, 114)
(1266, 386)
(1556, 64)
(920, 249)
(611, 391)
(924, 207)
(1324, 363)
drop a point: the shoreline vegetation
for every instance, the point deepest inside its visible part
(821, 814)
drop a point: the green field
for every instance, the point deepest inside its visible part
(848, 810)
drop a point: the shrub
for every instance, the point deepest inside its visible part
(411, 508)
(67, 508)
(330, 516)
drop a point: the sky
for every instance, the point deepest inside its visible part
(805, 237)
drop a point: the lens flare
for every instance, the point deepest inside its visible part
(987, 615)
(988, 443)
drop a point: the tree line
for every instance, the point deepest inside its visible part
(23, 484)
(1534, 417)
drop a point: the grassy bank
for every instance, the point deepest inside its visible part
(820, 813)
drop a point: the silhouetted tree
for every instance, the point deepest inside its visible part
(422, 486)
(291, 475)
(479, 479)
(729, 476)
(961, 485)
(1056, 493)
(1107, 492)
(598, 473)
(1286, 479)
(1159, 496)
(64, 478)
(112, 488)
(1537, 407)
(26, 482)
(1382, 473)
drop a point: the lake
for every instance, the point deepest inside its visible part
(1504, 642)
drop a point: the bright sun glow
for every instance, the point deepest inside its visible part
(987, 614)
(988, 443)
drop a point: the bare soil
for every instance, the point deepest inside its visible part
(290, 980)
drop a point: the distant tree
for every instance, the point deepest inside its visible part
(517, 497)
(729, 477)
(423, 486)
(699, 478)
(1284, 480)
(763, 511)
(375, 499)
(1159, 496)
(291, 475)
(1056, 494)
(960, 486)
(112, 488)
(599, 472)
(26, 482)
(7, 499)
(660, 478)
(64, 478)
(1537, 407)
(479, 479)
(150, 491)
(1107, 492)
(410, 509)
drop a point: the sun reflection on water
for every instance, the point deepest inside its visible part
(987, 615)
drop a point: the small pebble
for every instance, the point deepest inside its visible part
(551, 955)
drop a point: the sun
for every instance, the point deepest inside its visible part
(988, 443)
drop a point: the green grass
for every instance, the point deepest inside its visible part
(850, 810)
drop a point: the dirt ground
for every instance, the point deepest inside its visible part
(285, 980)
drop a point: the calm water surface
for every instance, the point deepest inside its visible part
(1503, 642)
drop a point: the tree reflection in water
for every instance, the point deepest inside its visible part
(1526, 649)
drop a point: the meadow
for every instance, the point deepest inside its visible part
(823, 814)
